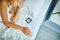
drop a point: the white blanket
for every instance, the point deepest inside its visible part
(33, 9)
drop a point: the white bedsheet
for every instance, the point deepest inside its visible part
(35, 10)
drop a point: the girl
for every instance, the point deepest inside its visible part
(3, 12)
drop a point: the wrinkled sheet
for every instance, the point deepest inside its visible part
(33, 9)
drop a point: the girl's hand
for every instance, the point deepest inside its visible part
(26, 31)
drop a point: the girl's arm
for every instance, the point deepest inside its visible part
(15, 15)
(9, 24)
